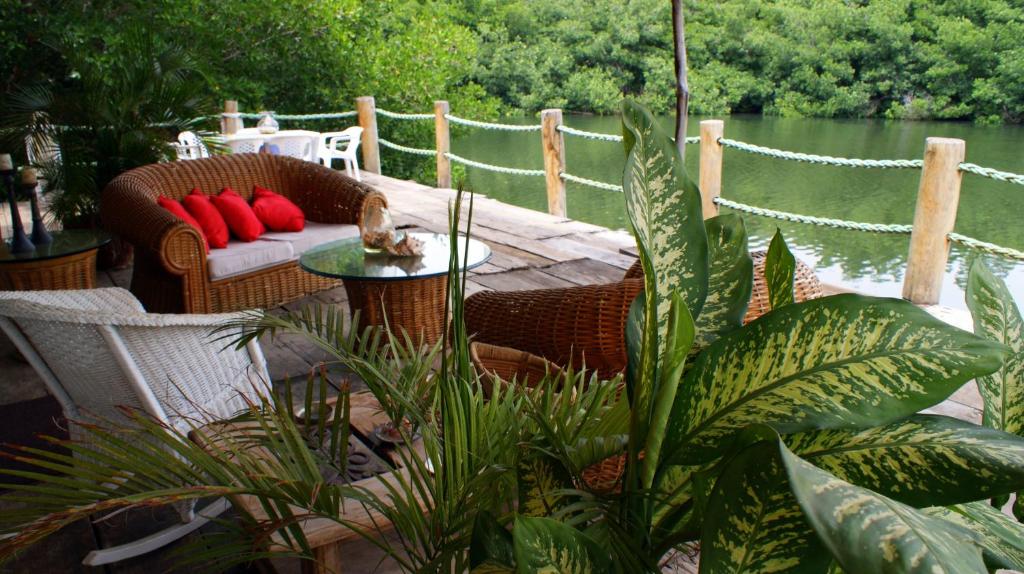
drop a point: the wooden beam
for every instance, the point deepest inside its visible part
(442, 142)
(710, 165)
(367, 110)
(553, 146)
(938, 197)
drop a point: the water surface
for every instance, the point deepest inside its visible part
(873, 263)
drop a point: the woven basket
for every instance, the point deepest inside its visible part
(76, 271)
(497, 364)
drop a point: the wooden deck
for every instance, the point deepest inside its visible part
(531, 250)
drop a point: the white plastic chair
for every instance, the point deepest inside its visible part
(329, 149)
(191, 146)
(97, 350)
(301, 144)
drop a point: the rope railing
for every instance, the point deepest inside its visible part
(986, 247)
(607, 137)
(494, 168)
(590, 182)
(820, 159)
(401, 116)
(295, 117)
(493, 126)
(405, 149)
(992, 173)
(809, 219)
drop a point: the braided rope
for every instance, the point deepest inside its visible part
(992, 173)
(298, 117)
(589, 135)
(823, 221)
(987, 247)
(398, 116)
(402, 148)
(490, 126)
(590, 182)
(494, 168)
(820, 159)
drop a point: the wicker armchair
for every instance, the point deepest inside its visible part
(581, 325)
(97, 350)
(170, 271)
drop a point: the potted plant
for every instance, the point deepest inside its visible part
(107, 114)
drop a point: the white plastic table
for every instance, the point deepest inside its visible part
(303, 144)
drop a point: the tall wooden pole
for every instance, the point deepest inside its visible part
(230, 125)
(934, 217)
(442, 142)
(366, 108)
(710, 165)
(553, 146)
(682, 84)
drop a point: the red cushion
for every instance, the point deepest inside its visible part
(276, 211)
(177, 209)
(242, 222)
(199, 206)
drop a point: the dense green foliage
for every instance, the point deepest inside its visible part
(947, 59)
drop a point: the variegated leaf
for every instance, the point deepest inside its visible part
(540, 479)
(923, 460)
(730, 279)
(753, 523)
(664, 209)
(634, 342)
(868, 533)
(546, 545)
(1002, 537)
(997, 318)
(841, 361)
(779, 267)
(490, 544)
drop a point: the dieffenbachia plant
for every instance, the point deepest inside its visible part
(997, 318)
(791, 444)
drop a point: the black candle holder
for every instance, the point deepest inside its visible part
(19, 241)
(40, 235)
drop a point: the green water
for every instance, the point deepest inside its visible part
(872, 263)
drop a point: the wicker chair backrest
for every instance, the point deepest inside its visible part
(237, 171)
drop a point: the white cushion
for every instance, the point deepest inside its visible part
(314, 234)
(241, 257)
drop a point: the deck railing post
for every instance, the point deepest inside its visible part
(553, 146)
(710, 165)
(367, 111)
(230, 125)
(934, 217)
(442, 142)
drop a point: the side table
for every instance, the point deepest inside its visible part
(69, 262)
(406, 293)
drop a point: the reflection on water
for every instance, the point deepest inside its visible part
(872, 263)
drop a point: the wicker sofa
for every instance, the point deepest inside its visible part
(525, 333)
(172, 271)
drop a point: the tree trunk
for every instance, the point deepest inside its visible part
(682, 86)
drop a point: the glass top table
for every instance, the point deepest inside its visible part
(66, 242)
(403, 293)
(346, 259)
(68, 262)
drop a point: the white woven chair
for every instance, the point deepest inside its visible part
(329, 149)
(97, 350)
(190, 146)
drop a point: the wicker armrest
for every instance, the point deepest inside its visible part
(129, 209)
(570, 326)
(329, 196)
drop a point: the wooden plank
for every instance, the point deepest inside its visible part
(585, 272)
(521, 280)
(600, 246)
(710, 165)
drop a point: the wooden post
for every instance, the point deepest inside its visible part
(553, 146)
(367, 110)
(934, 217)
(710, 165)
(442, 142)
(229, 126)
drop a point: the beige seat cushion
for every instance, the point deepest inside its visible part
(241, 257)
(314, 234)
